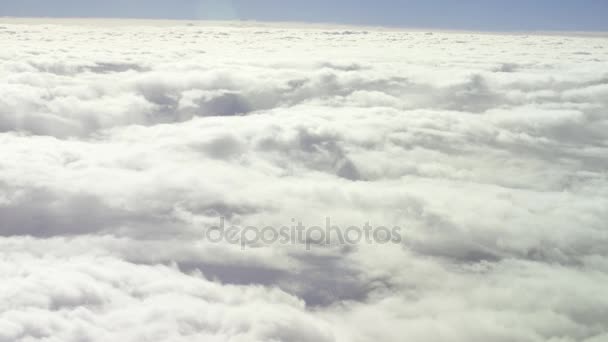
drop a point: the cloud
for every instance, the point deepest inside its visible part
(101, 298)
(121, 144)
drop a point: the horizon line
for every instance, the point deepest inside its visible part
(317, 24)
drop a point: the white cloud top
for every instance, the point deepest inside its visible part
(120, 143)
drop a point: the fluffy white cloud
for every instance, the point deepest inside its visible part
(121, 142)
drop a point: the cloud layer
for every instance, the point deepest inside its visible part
(121, 142)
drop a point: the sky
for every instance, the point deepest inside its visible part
(564, 15)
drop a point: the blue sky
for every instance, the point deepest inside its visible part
(588, 15)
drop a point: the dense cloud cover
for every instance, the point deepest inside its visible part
(121, 142)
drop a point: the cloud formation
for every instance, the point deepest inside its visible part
(121, 142)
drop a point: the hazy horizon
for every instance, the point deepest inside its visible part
(476, 15)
